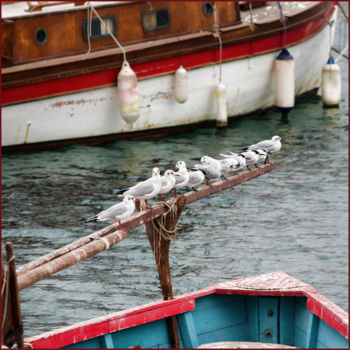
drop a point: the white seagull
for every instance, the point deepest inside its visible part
(262, 154)
(251, 157)
(196, 177)
(240, 160)
(168, 183)
(117, 211)
(182, 175)
(271, 146)
(211, 168)
(146, 189)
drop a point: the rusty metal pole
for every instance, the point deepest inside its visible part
(160, 246)
(11, 325)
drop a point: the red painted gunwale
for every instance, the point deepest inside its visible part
(150, 69)
(271, 284)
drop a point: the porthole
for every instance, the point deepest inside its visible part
(208, 9)
(98, 29)
(40, 36)
(155, 19)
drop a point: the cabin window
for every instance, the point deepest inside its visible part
(40, 36)
(98, 29)
(155, 19)
(208, 9)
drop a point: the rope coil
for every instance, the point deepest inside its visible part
(160, 223)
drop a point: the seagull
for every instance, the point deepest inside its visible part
(182, 175)
(210, 167)
(229, 164)
(196, 177)
(223, 165)
(262, 154)
(240, 160)
(272, 146)
(251, 157)
(168, 183)
(117, 211)
(146, 189)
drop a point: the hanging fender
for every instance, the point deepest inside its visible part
(128, 94)
(331, 83)
(284, 81)
(181, 85)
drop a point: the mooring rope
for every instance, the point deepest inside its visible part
(159, 225)
(160, 222)
(251, 24)
(216, 33)
(88, 31)
(283, 19)
(108, 30)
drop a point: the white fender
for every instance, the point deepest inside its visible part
(127, 93)
(180, 85)
(331, 83)
(220, 94)
(284, 80)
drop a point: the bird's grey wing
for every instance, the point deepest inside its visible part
(198, 166)
(179, 179)
(142, 188)
(211, 172)
(113, 212)
(267, 144)
(193, 177)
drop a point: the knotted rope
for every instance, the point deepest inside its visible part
(160, 223)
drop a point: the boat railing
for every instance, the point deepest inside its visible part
(160, 225)
(39, 5)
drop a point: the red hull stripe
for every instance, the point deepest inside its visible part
(149, 69)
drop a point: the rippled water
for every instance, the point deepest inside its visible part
(294, 219)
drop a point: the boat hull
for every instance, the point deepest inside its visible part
(272, 308)
(93, 113)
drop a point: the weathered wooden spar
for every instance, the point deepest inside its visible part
(98, 241)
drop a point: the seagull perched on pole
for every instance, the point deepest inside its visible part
(240, 160)
(271, 146)
(210, 167)
(117, 212)
(168, 183)
(146, 189)
(182, 175)
(196, 177)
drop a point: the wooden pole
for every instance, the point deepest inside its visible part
(160, 232)
(92, 244)
(11, 322)
(71, 258)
